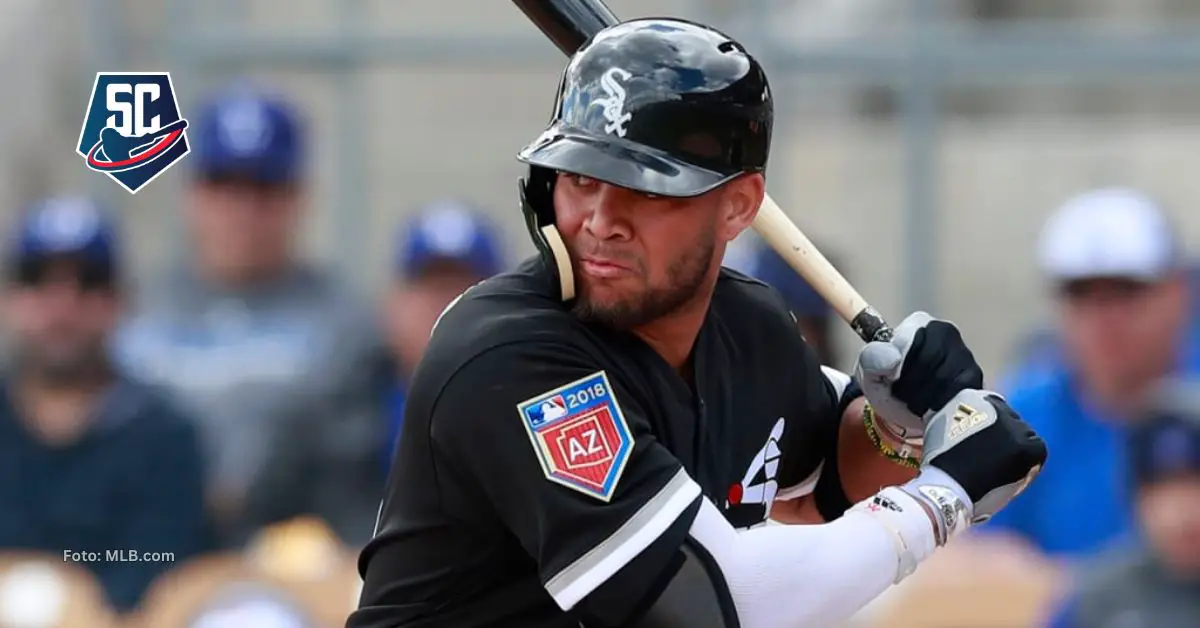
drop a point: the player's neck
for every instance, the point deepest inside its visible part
(674, 336)
(54, 412)
(674, 346)
(244, 279)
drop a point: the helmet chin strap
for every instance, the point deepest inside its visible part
(562, 261)
(536, 203)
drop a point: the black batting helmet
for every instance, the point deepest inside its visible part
(658, 105)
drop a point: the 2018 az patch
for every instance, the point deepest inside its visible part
(580, 435)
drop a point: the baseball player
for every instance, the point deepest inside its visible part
(598, 438)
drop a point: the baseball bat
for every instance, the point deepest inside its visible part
(570, 23)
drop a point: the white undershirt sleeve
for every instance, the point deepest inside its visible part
(817, 575)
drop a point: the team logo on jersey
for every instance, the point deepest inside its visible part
(133, 130)
(758, 486)
(580, 435)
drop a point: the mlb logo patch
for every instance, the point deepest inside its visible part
(133, 129)
(580, 435)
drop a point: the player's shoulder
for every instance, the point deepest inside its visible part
(513, 315)
(741, 297)
(519, 305)
(508, 343)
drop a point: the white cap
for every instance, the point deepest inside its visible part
(1112, 232)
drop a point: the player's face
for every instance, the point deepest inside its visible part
(637, 257)
(60, 313)
(242, 227)
(1170, 514)
(1121, 333)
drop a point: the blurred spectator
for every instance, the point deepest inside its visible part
(90, 460)
(1116, 270)
(1157, 585)
(1039, 349)
(1193, 280)
(1043, 347)
(750, 255)
(446, 248)
(282, 365)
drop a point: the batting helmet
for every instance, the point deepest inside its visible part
(662, 106)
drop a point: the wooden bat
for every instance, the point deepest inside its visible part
(570, 23)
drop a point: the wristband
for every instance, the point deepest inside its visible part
(913, 534)
(948, 499)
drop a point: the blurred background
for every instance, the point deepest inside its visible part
(1005, 164)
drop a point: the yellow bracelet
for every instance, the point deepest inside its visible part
(902, 459)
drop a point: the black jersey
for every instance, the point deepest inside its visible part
(545, 463)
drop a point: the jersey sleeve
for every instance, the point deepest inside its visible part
(810, 440)
(563, 454)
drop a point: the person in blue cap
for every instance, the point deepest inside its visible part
(1156, 583)
(447, 246)
(93, 460)
(281, 362)
(752, 256)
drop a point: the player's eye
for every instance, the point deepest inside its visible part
(579, 180)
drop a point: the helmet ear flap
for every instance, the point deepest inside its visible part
(537, 204)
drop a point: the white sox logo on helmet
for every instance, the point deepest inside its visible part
(614, 104)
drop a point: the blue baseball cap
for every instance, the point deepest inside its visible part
(245, 132)
(753, 257)
(66, 226)
(449, 230)
(1167, 442)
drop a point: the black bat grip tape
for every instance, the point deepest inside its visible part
(870, 326)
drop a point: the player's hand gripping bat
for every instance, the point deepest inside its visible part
(569, 23)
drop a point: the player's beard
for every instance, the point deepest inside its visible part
(685, 279)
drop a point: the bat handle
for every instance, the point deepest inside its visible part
(870, 326)
(799, 252)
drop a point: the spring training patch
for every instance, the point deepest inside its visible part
(580, 435)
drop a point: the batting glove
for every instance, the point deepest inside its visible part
(916, 374)
(979, 455)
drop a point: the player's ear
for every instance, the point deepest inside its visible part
(743, 196)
